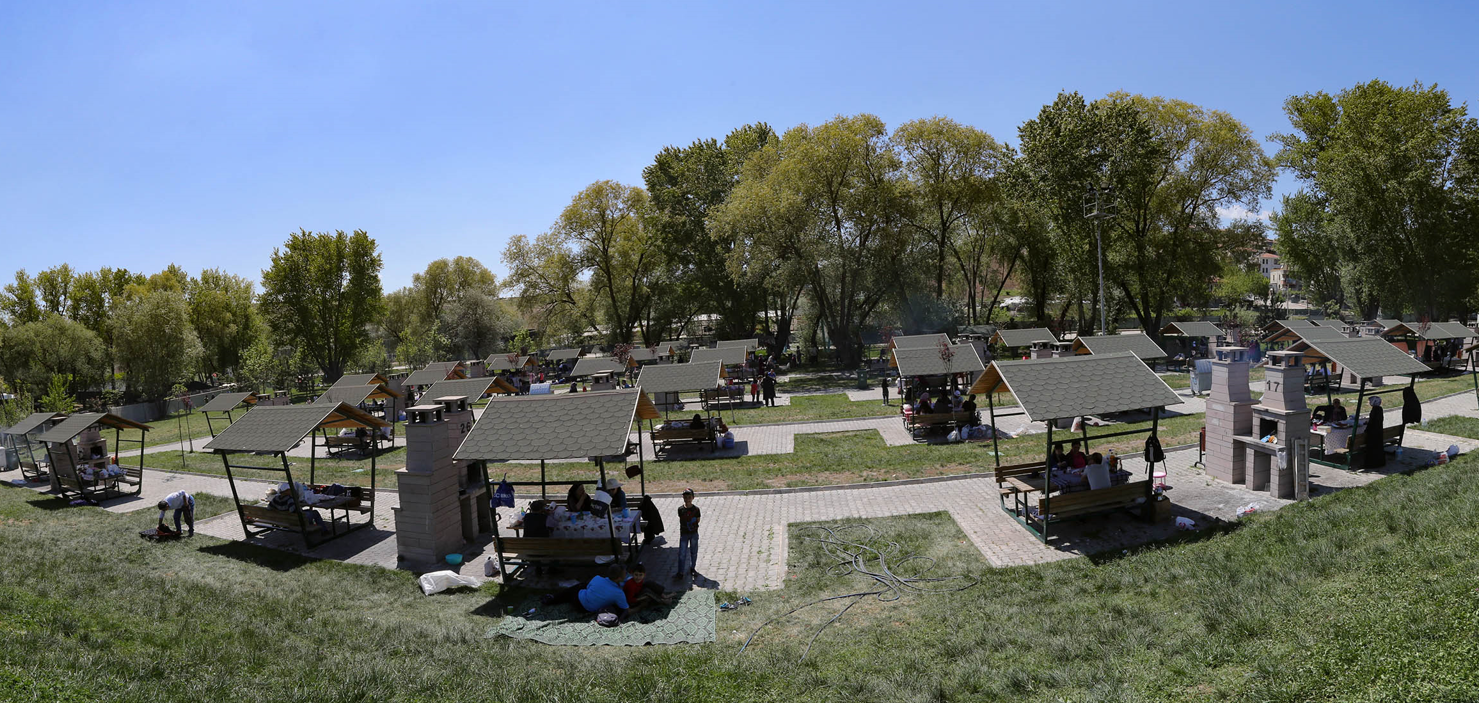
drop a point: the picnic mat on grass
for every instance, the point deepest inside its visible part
(690, 619)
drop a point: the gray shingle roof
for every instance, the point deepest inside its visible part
(29, 423)
(926, 361)
(1433, 330)
(471, 388)
(349, 395)
(674, 344)
(597, 364)
(729, 356)
(1193, 329)
(1331, 322)
(1387, 323)
(569, 426)
(433, 372)
(1024, 337)
(642, 354)
(563, 354)
(919, 341)
(225, 402)
(746, 344)
(1138, 344)
(65, 430)
(676, 378)
(1366, 357)
(359, 379)
(280, 428)
(501, 362)
(1069, 386)
(1320, 332)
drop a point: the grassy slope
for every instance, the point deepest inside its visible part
(1367, 595)
(1457, 425)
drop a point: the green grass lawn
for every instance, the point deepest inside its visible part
(175, 428)
(1456, 425)
(1365, 595)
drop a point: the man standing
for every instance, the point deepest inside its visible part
(884, 385)
(184, 505)
(688, 517)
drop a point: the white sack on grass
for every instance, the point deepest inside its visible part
(438, 581)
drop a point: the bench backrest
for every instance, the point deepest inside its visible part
(556, 546)
(1005, 472)
(1093, 500)
(1358, 439)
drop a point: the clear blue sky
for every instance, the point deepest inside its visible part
(137, 135)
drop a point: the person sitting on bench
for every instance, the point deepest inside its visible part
(602, 593)
(1076, 458)
(184, 505)
(1337, 412)
(613, 488)
(577, 500)
(923, 407)
(1097, 472)
(697, 423)
(536, 521)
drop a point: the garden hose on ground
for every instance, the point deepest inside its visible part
(869, 556)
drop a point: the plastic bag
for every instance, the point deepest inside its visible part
(1452, 452)
(1186, 523)
(438, 581)
(1248, 509)
(953, 437)
(503, 495)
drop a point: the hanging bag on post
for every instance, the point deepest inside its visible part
(503, 496)
(1153, 453)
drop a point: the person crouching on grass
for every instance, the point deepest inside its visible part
(642, 593)
(184, 505)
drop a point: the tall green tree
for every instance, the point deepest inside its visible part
(55, 286)
(18, 301)
(30, 354)
(950, 169)
(97, 296)
(321, 293)
(157, 345)
(845, 181)
(224, 314)
(599, 262)
(686, 185)
(1386, 203)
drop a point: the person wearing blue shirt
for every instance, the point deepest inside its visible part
(603, 593)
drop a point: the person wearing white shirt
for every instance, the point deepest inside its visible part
(184, 505)
(1097, 472)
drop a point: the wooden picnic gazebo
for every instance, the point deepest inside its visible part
(1367, 359)
(81, 467)
(1192, 330)
(1029, 337)
(602, 370)
(1142, 346)
(222, 407)
(511, 363)
(1054, 390)
(665, 383)
(748, 345)
(273, 432)
(429, 375)
(1419, 338)
(360, 397)
(473, 389)
(19, 439)
(733, 358)
(947, 368)
(517, 429)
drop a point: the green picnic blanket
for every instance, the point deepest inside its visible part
(689, 619)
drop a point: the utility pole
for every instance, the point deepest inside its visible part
(1098, 207)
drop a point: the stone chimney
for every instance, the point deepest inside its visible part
(1283, 413)
(428, 522)
(1229, 414)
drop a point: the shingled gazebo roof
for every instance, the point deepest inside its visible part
(676, 378)
(1193, 329)
(1434, 330)
(1069, 386)
(227, 402)
(1140, 345)
(519, 428)
(598, 364)
(435, 371)
(354, 395)
(729, 356)
(1366, 357)
(278, 429)
(919, 341)
(1024, 337)
(746, 344)
(29, 423)
(471, 388)
(360, 379)
(65, 430)
(927, 361)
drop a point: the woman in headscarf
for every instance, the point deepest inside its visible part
(1373, 455)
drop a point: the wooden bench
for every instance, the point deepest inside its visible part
(923, 421)
(1093, 502)
(526, 551)
(1017, 480)
(1390, 436)
(663, 439)
(280, 519)
(728, 395)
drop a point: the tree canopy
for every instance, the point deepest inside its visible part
(321, 293)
